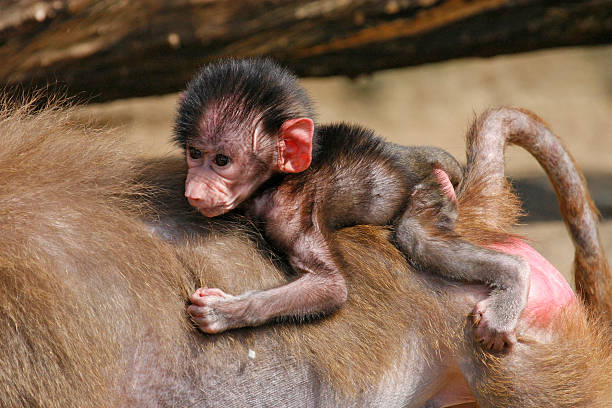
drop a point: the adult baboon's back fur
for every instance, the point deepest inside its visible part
(72, 265)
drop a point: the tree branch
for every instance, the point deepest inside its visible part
(107, 49)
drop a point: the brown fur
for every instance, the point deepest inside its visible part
(92, 311)
(61, 281)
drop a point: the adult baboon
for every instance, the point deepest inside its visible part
(98, 256)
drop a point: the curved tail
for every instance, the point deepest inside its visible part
(485, 182)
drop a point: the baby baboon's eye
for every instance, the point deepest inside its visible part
(221, 160)
(194, 153)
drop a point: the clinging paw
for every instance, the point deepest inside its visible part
(204, 309)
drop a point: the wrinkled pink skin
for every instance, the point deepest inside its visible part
(215, 190)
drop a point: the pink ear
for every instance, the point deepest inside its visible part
(295, 145)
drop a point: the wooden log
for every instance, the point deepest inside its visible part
(108, 49)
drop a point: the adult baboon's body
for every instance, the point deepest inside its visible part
(98, 257)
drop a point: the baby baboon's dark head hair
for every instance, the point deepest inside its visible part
(242, 90)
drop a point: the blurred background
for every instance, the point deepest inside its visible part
(417, 72)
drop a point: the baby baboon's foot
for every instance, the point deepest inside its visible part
(490, 330)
